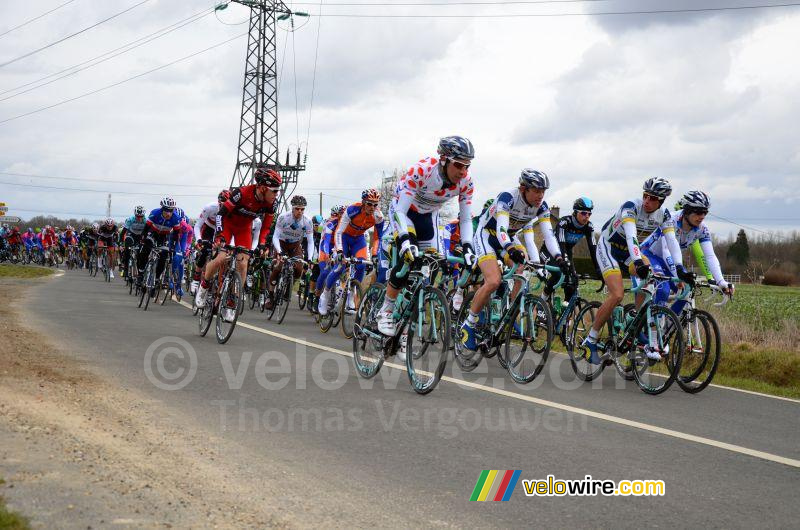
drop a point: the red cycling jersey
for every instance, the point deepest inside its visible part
(236, 215)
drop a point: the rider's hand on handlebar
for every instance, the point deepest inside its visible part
(516, 255)
(468, 253)
(685, 276)
(642, 268)
(562, 264)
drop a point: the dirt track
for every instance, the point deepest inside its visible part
(78, 451)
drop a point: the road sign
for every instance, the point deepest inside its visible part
(3, 210)
(9, 219)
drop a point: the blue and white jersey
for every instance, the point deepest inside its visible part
(160, 225)
(646, 223)
(133, 226)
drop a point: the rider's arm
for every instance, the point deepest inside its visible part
(465, 211)
(546, 229)
(501, 215)
(530, 243)
(276, 236)
(700, 258)
(344, 222)
(671, 241)
(713, 262)
(309, 239)
(592, 246)
(266, 223)
(402, 203)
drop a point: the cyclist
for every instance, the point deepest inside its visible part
(689, 228)
(107, 237)
(619, 243)
(204, 230)
(350, 242)
(569, 231)
(181, 238)
(30, 240)
(318, 225)
(234, 223)
(516, 211)
(14, 240)
(161, 223)
(131, 235)
(48, 239)
(414, 212)
(325, 248)
(287, 239)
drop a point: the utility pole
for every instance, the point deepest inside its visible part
(258, 129)
(320, 203)
(108, 207)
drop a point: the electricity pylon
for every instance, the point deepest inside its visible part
(258, 130)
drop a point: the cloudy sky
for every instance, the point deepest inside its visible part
(710, 100)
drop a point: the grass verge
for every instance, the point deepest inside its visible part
(11, 520)
(23, 271)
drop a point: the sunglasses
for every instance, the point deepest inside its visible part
(459, 165)
(300, 208)
(697, 211)
(651, 197)
(587, 214)
(371, 204)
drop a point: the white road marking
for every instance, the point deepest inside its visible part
(552, 404)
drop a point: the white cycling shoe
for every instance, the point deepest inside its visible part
(386, 324)
(193, 287)
(200, 297)
(322, 307)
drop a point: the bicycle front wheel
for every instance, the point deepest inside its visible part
(229, 301)
(702, 353)
(663, 329)
(367, 341)
(528, 339)
(283, 295)
(349, 304)
(578, 332)
(427, 340)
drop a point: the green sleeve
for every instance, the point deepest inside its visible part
(700, 259)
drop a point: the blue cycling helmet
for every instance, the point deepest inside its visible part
(583, 204)
(456, 148)
(531, 178)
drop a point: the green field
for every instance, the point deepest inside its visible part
(23, 271)
(760, 331)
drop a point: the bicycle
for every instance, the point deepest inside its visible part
(131, 278)
(103, 265)
(281, 296)
(564, 313)
(150, 285)
(703, 349)
(619, 341)
(225, 297)
(258, 277)
(422, 309)
(168, 280)
(344, 299)
(303, 288)
(524, 325)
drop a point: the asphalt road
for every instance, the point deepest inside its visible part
(727, 458)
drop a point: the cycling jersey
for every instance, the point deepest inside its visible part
(355, 222)
(509, 216)
(292, 230)
(619, 237)
(158, 224)
(657, 244)
(207, 218)
(108, 234)
(326, 244)
(424, 190)
(568, 233)
(236, 215)
(133, 225)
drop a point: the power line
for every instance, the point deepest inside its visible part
(123, 81)
(74, 69)
(49, 212)
(89, 190)
(313, 78)
(546, 15)
(73, 34)
(6, 32)
(745, 226)
(479, 3)
(138, 182)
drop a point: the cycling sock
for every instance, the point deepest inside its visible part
(472, 319)
(388, 304)
(593, 333)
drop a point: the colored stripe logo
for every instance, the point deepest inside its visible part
(495, 485)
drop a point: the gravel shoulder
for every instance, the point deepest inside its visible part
(79, 451)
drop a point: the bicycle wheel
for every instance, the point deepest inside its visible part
(326, 321)
(528, 339)
(206, 313)
(578, 354)
(302, 292)
(229, 302)
(367, 341)
(283, 294)
(702, 353)
(655, 376)
(466, 359)
(254, 291)
(427, 340)
(336, 314)
(349, 307)
(149, 281)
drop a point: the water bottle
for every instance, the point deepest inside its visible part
(557, 307)
(617, 319)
